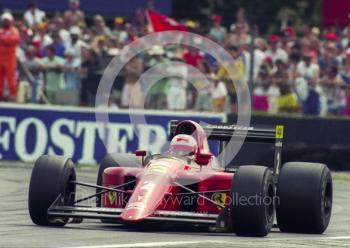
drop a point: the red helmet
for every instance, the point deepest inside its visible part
(183, 145)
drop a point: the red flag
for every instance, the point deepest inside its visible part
(159, 22)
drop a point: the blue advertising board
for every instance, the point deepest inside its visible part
(28, 131)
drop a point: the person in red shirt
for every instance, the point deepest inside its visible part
(9, 39)
(193, 57)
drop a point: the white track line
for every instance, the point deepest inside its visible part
(183, 243)
(151, 244)
(339, 237)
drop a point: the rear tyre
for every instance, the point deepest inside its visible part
(252, 201)
(50, 178)
(304, 194)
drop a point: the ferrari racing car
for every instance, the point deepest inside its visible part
(188, 185)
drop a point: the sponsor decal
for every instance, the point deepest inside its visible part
(139, 205)
(219, 198)
(279, 131)
(112, 196)
(230, 127)
(158, 168)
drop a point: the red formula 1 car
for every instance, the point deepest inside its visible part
(187, 185)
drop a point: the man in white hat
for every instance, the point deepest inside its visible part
(75, 43)
(9, 39)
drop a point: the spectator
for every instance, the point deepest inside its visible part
(33, 16)
(33, 63)
(260, 98)
(312, 103)
(192, 56)
(99, 28)
(58, 44)
(241, 21)
(235, 72)
(308, 69)
(289, 36)
(294, 59)
(204, 88)
(54, 76)
(72, 76)
(287, 101)
(259, 57)
(157, 92)
(91, 73)
(9, 39)
(310, 37)
(345, 41)
(218, 32)
(345, 70)
(328, 57)
(63, 32)
(41, 38)
(275, 52)
(74, 16)
(119, 30)
(335, 94)
(75, 44)
(218, 94)
(280, 75)
(237, 36)
(177, 94)
(131, 93)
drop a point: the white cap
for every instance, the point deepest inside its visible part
(69, 51)
(75, 30)
(156, 50)
(7, 16)
(113, 51)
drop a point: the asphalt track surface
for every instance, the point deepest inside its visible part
(17, 230)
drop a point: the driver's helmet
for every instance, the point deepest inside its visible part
(183, 145)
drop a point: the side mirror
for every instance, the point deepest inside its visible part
(203, 158)
(142, 154)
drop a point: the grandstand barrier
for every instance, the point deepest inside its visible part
(309, 139)
(28, 131)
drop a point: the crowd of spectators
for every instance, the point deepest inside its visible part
(306, 72)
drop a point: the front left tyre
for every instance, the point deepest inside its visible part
(50, 178)
(252, 201)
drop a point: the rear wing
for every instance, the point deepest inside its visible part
(224, 132)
